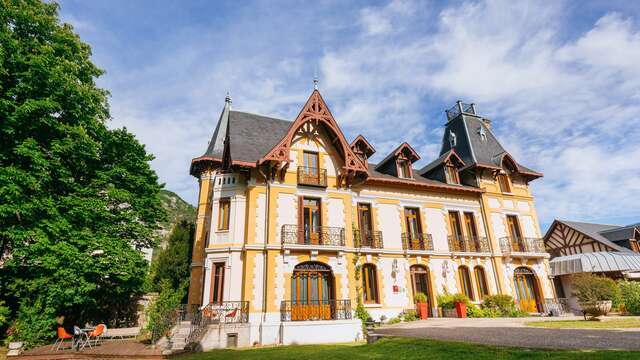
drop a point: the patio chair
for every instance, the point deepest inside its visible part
(62, 336)
(93, 338)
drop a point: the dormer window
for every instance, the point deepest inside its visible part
(503, 182)
(451, 174)
(405, 169)
(452, 139)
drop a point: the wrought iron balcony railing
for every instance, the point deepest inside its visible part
(298, 310)
(366, 238)
(312, 176)
(460, 108)
(322, 235)
(226, 312)
(511, 244)
(412, 241)
(459, 243)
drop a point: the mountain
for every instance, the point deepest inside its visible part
(177, 210)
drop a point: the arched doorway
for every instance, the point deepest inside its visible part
(312, 292)
(421, 282)
(527, 292)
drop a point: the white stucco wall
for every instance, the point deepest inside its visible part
(436, 225)
(389, 224)
(336, 213)
(287, 212)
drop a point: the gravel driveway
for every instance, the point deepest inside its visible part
(513, 332)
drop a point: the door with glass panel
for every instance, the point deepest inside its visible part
(311, 292)
(515, 236)
(526, 289)
(365, 225)
(311, 167)
(414, 228)
(456, 231)
(472, 231)
(421, 283)
(311, 221)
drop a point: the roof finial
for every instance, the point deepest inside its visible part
(227, 99)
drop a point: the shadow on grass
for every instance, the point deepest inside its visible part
(405, 348)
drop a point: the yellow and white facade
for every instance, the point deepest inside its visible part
(308, 228)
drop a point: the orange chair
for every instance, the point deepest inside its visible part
(94, 336)
(62, 336)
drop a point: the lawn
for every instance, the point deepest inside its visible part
(404, 348)
(619, 323)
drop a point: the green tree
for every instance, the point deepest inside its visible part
(77, 200)
(173, 263)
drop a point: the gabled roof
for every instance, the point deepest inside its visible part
(449, 155)
(622, 232)
(361, 144)
(594, 231)
(376, 177)
(402, 148)
(477, 145)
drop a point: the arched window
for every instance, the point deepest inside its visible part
(312, 290)
(369, 284)
(465, 281)
(481, 278)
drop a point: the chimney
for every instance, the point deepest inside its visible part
(487, 122)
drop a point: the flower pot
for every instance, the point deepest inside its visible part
(461, 309)
(422, 310)
(596, 308)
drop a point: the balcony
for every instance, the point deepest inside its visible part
(323, 236)
(312, 176)
(315, 310)
(511, 244)
(367, 239)
(417, 242)
(475, 244)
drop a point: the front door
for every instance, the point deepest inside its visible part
(311, 292)
(364, 221)
(420, 282)
(526, 290)
(311, 221)
(472, 231)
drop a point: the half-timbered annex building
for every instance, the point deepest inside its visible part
(296, 225)
(578, 247)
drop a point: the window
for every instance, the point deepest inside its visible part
(465, 281)
(311, 162)
(369, 284)
(481, 278)
(217, 283)
(366, 227)
(405, 168)
(451, 174)
(412, 221)
(503, 182)
(470, 224)
(223, 214)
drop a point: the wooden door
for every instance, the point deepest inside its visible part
(421, 283)
(526, 291)
(414, 228)
(311, 221)
(472, 231)
(311, 293)
(454, 221)
(515, 235)
(365, 224)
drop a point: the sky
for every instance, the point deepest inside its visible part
(559, 80)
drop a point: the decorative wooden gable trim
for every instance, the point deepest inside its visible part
(453, 159)
(406, 152)
(316, 112)
(563, 240)
(362, 148)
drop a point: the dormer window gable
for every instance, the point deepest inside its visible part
(399, 163)
(362, 148)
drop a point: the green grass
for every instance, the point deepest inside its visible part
(586, 324)
(405, 348)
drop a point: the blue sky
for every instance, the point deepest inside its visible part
(560, 80)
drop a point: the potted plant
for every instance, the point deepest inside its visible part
(594, 293)
(421, 305)
(461, 302)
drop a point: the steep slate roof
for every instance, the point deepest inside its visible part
(471, 148)
(250, 135)
(416, 180)
(621, 232)
(594, 231)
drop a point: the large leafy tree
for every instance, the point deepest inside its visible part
(77, 200)
(173, 263)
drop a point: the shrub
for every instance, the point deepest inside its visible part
(34, 325)
(590, 288)
(394, 320)
(420, 298)
(161, 312)
(409, 315)
(630, 295)
(4, 314)
(503, 305)
(448, 301)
